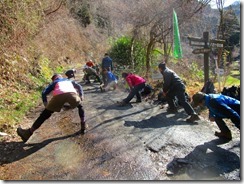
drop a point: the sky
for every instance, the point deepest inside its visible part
(226, 3)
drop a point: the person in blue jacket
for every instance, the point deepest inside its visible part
(220, 107)
(107, 64)
(111, 81)
(64, 91)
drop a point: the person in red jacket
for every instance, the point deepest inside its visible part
(136, 84)
(90, 63)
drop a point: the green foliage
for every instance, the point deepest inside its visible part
(121, 52)
(140, 56)
(15, 107)
(45, 71)
(195, 72)
(59, 69)
(232, 81)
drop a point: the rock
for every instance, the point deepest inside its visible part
(3, 134)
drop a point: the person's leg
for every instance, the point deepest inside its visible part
(88, 78)
(26, 133)
(97, 78)
(235, 120)
(183, 102)
(43, 117)
(138, 94)
(107, 88)
(130, 96)
(222, 125)
(170, 98)
(224, 130)
(74, 100)
(134, 91)
(114, 85)
(82, 118)
(104, 78)
(181, 96)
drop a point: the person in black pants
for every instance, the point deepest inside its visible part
(64, 91)
(220, 107)
(136, 84)
(174, 86)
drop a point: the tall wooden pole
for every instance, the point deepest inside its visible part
(206, 56)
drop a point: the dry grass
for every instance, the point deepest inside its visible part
(58, 37)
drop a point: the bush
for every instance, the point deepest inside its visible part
(121, 53)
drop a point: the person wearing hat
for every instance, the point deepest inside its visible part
(136, 84)
(70, 73)
(173, 87)
(89, 71)
(220, 107)
(64, 91)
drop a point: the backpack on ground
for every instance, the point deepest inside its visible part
(208, 87)
(147, 90)
(233, 91)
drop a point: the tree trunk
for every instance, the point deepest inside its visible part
(132, 53)
(148, 57)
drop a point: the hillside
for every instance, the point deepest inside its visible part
(58, 42)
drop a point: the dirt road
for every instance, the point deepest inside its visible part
(137, 142)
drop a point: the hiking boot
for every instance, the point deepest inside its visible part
(193, 118)
(24, 133)
(138, 101)
(226, 135)
(172, 110)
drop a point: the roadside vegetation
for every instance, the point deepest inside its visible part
(39, 38)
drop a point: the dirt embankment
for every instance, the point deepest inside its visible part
(136, 142)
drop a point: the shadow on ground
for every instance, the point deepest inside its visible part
(14, 151)
(207, 161)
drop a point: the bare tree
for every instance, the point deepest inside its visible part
(152, 21)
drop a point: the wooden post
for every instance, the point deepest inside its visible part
(206, 56)
(206, 49)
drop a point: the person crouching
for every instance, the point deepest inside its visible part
(64, 91)
(112, 81)
(136, 84)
